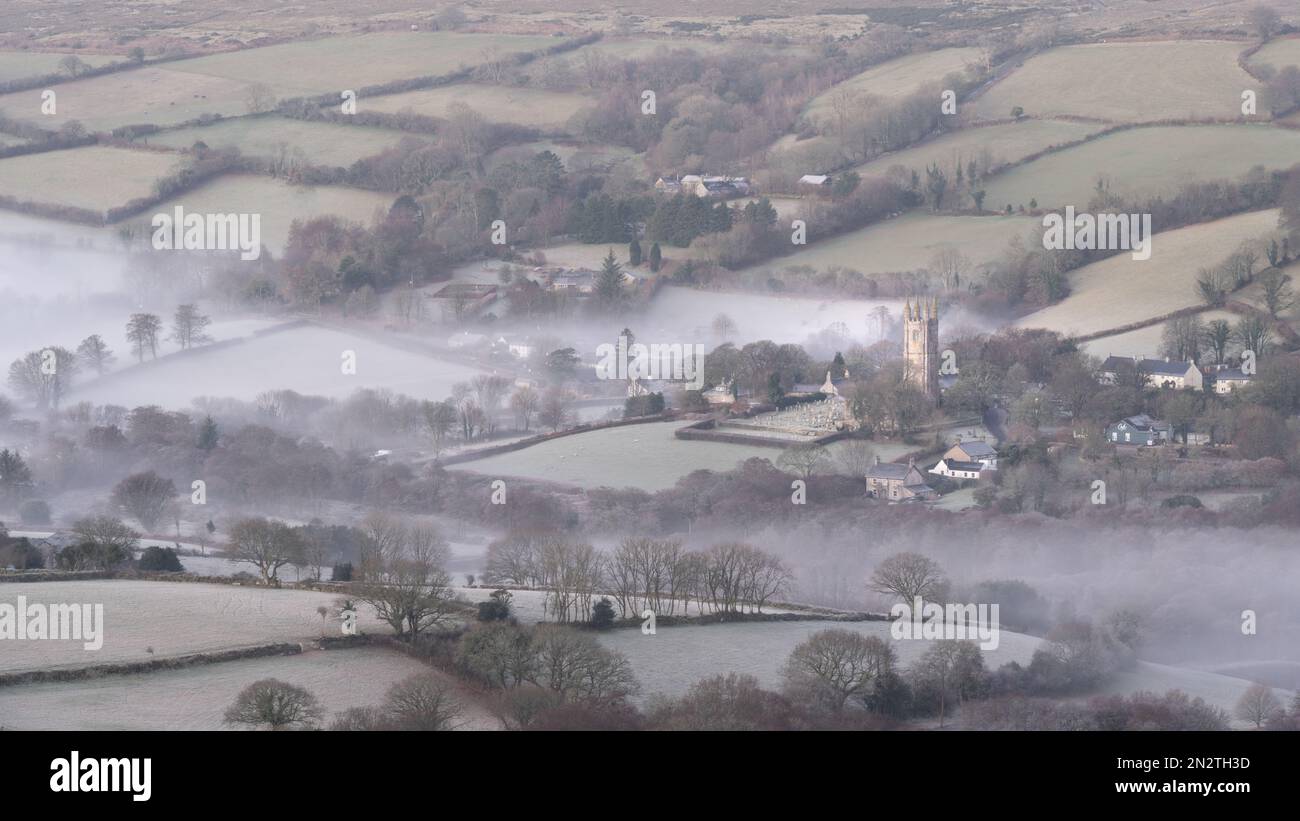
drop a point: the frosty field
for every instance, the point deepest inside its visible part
(1144, 341)
(307, 360)
(989, 146)
(278, 203)
(893, 80)
(1180, 79)
(1119, 290)
(196, 698)
(677, 657)
(15, 65)
(94, 177)
(500, 104)
(645, 456)
(1145, 162)
(172, 619)
(321, 143)
(907, 243)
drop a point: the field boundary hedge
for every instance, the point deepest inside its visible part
(150, 666)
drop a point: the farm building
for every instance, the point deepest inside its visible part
(897, 483)
(981, 453)
(1139, 430)
(464, 299)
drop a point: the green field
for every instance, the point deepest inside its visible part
(1119, 290)
(321, 143)
(990, 146)
(1124, 82)
(93, 177)
(15, 65)
(500, 104)
(893, 80)
(908, 242)
(279, 203)
(1144, 162)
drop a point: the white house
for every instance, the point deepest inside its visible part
(1160, 373)
(957, 469)
(1229, 379)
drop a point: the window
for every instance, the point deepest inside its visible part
(1128, 437)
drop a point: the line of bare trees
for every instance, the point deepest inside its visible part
(639, 575)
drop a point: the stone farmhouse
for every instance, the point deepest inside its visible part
(898, 483)
(1160, 373)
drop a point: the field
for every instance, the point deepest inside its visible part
(162, 96)
(989, 146)
(1218, 690)
(1145, 162)
(645, 456)
(144, 620)
(502, 104)
(334, 64)
(93, 177)
(908, 243)
(1279, 53)
(1144, 341)
(306, 360)
(1120, 289)
(195, 698)
(1178, 79)
(893, 80)
(221, 83)
(16, 65)
(279, 203)
(321, 143)
(677, 657)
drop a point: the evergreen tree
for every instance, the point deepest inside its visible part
(208, 433)
(656, 258)
(634, 253)
(609, 282)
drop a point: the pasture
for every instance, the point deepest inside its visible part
(17, 65)
(892, 80)
(320, 143)
(1145, 162)
(333, 64)
(1279, 53)
(1119, 290)
(1123, 82)
(989, 146)
(502, 104)
(145, 619)
(93, 177)
(306, 359)
(278, 203)
(196, 698)
(907, 243)
(1144, 341)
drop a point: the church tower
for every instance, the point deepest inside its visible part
(921, 345)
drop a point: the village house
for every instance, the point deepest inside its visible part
(815, 182)
(1228, 380)
(715, 187)
(1160, 373)
(898, 483)
(1139, 430)
(957, 469)
(981, 453)
(573, 282)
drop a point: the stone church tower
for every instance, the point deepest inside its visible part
(921, 345)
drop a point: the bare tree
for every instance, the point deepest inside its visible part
(144, 496)
(403, 575)
(275, 704)
(422, 702)
(909, 576)
(1257, 705)
(94, 353)
(188, 326)
(524, 404)
(142, 332)
(43, 376)
(831, 667)
(266, 544)
(803, 459)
